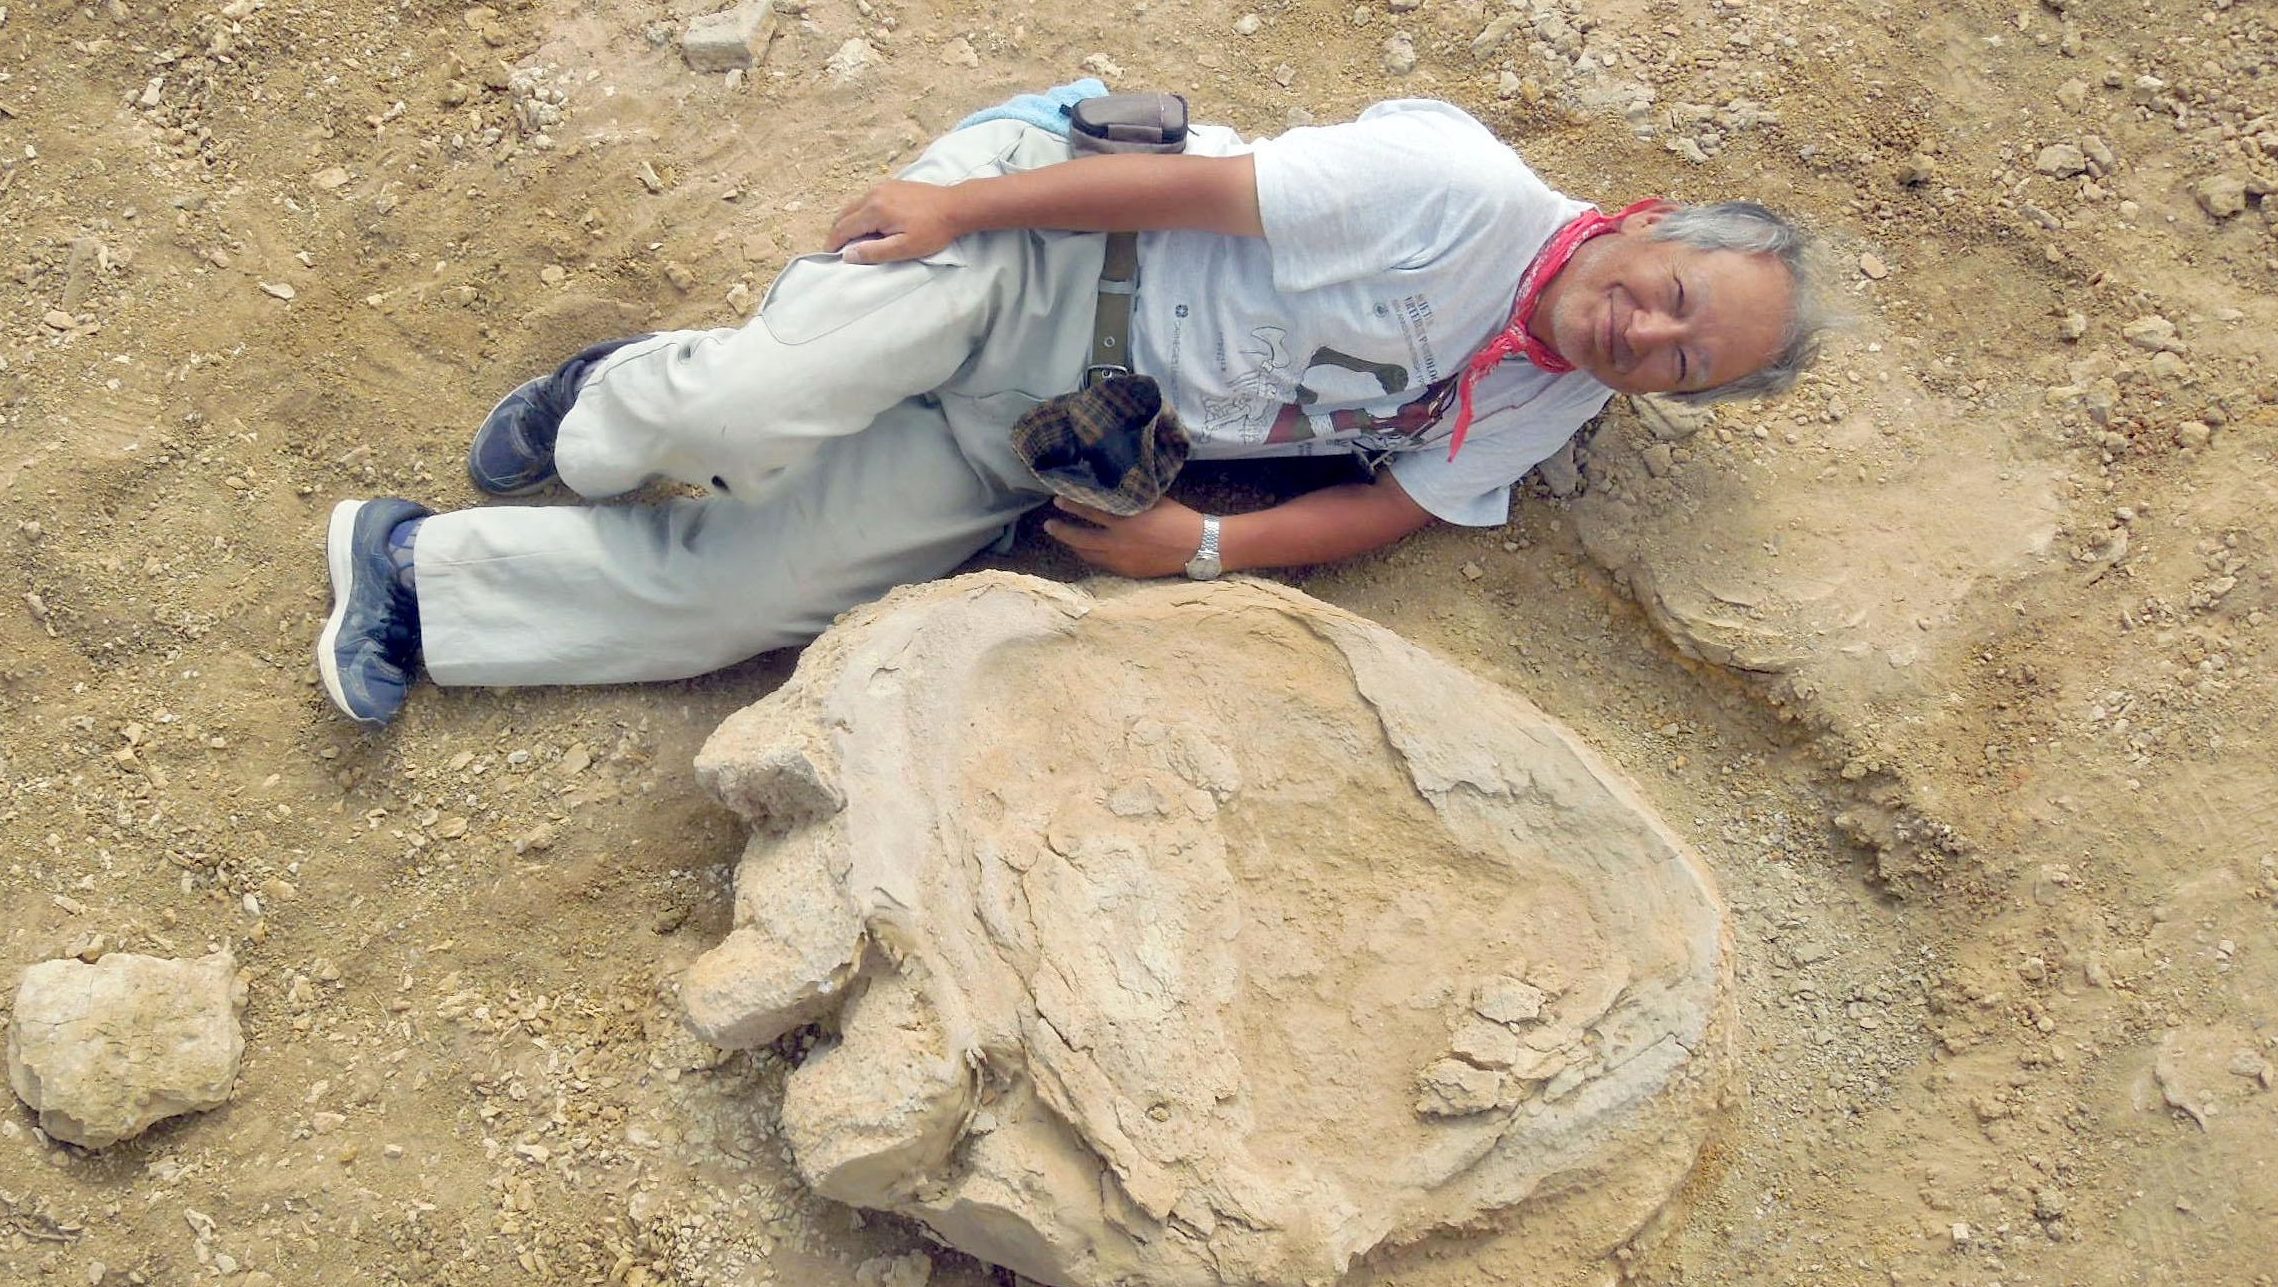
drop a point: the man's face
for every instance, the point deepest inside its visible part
(1647, 316)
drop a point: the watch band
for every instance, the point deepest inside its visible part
(1206, 565)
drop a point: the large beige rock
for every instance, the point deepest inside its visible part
(1206, 934)
(102, 1051)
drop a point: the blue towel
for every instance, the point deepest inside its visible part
(1045, 111)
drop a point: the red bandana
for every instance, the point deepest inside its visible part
(1516, 338)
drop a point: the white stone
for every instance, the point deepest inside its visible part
(102, 1051)
(1079, 872)
(734, 39)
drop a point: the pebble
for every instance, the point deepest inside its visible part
(1399, 54)
(1484, 45)
(959, 53)
(330, 177)
(1404, 6)
(1472, 571)
(1659, 459)
(2221, 196)
(1247, 25)
(59, 320)
(282, 290)
(2061, 160)
(2073, 326)
(1873, 266)
(1102, 66)
(856, 57)
(2153, 334)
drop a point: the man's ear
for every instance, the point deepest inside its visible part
(1641, 220)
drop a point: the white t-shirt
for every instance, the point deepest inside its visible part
(1392, 253)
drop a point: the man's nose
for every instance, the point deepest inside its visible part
(1651, 328)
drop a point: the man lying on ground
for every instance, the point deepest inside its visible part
(1401, 287)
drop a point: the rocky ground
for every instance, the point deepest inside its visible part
(1956, 665)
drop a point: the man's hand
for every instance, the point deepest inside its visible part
(899, 219)
(1157, 542)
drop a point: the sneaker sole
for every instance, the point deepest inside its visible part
(339, 558)
(528, 489)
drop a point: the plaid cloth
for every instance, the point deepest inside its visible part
(1112, 445)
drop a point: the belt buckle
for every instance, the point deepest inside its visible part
(1099, 371)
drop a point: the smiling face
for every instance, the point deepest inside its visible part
(1647, 316)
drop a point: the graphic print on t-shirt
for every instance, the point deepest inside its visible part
(1270, 399)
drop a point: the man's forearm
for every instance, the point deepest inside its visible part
(1321, 527)
(1127, 193)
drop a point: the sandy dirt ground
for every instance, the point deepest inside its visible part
(1956, 665)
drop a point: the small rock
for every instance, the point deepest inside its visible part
(1918, 170)
(1399, 54)
(736, 38)
(282, 290)
(853, 58)
(1560, 472)
(58, 320)
(1472, 571)
(330, 178)
(1102, 66)
(552, 274)
(2193, 434)
(2072, 96)
(2073, 326)
(2061, 160)
(1247, 25)
(2153, 334)
(2221, 196)
(1403, 6)
(103, 1051)
(959, 53)
(1873, 267)
(1659, 459)
(1484, 45)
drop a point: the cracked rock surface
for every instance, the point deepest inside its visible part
(102, 1051)
(1207, 934)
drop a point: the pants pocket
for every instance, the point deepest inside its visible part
(820, 295)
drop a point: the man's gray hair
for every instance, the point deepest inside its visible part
(1752, 229)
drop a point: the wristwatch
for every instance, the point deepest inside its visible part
(1204, 566)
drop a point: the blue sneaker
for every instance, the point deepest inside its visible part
(370, 642)
(513, 452)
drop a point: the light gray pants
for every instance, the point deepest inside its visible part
(853, 436)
